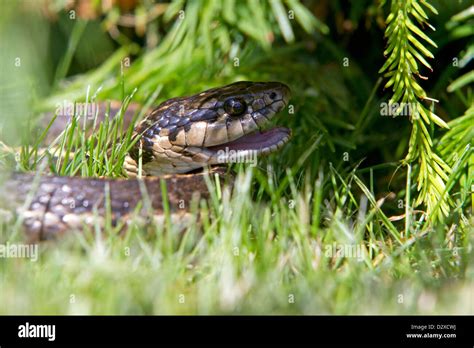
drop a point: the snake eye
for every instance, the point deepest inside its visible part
(235, 107)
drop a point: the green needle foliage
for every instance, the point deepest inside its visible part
(461, 25)
(456, 147)
(405, 51)
(199, 34)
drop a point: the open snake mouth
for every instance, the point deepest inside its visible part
(262, 142)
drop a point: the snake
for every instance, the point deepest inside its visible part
(179, 143)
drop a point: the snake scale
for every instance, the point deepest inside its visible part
(180, 136)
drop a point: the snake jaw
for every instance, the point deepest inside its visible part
(220, 125)
(244, 149)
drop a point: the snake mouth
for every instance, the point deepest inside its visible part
(259, 142)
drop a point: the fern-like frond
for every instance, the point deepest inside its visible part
(406, 52)
(461, 25)
(455, 144)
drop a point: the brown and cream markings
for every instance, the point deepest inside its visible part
(179, 136)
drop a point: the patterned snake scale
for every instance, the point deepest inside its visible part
(179, 136)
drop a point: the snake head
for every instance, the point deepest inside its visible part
(212, 127)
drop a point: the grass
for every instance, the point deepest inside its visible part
(252, 257)
(275, 244)
(326, 226)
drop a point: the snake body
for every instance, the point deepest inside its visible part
(179, 136)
